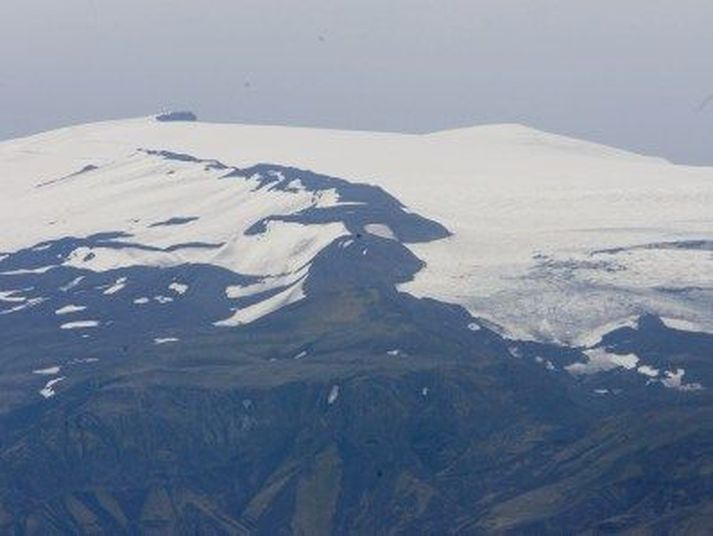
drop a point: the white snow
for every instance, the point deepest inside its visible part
(28, 271)
(69, 309)
(251, 313)
(674, 380)
(11, 296)
(49, 371)
(599, 360)
(178, 288)
(527, 210)
(380, 230)
(646, 370)
(682, 324)
(333, 395)
(587, 340)
(118, 286)
(73, 283)
(24, 305)
(48, 390)
(165, 340)
(83, 360)
(80, 324)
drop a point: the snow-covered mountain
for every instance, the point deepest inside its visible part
(548, 238)
(229, 329)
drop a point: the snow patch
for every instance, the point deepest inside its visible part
(69, 309)
(11, 297)
(73, 283)
(26, 305)
(681, 324)
(49, 371)
(333, 395)
(178, 288)
(674, 380)
(599, 360)
(253, 312)
(48, 390)
(380, 230)
(83, 360)
(80, 324)
(646, 370)
(118, 286)
(594, 337)
(29, 271)
(165, 340)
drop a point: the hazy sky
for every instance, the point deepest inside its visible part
(631, 73)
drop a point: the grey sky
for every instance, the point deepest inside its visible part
(631, 73)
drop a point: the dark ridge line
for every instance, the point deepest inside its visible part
(179, 220)
(703, 245)
(85, 169)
